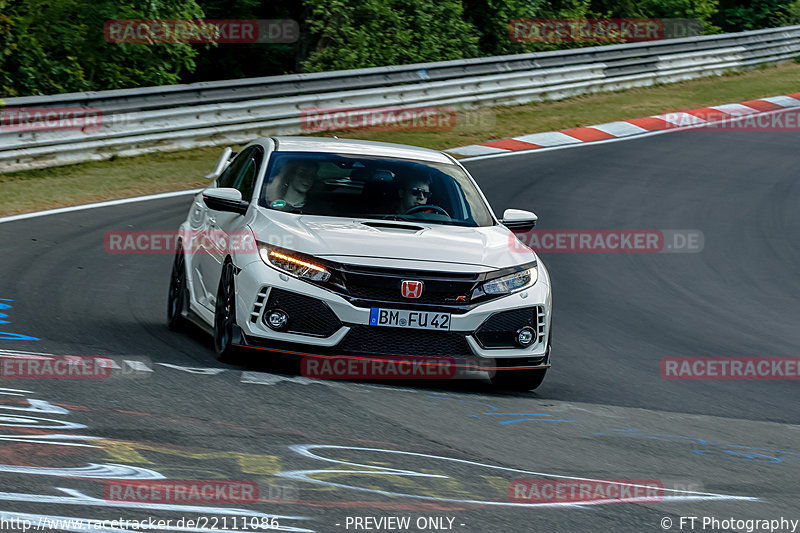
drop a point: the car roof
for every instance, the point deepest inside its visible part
(358, 147)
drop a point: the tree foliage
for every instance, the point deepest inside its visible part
(221, 61)
(56, 46)
(743, 15)
(370, 33)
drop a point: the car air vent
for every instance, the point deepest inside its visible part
(389, 226)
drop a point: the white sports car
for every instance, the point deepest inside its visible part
(330, 247)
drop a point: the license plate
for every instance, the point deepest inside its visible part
(397, 318)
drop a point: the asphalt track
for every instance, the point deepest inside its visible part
(726, 449)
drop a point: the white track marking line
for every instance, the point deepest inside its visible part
(109, 203)
(476, 149)
(620, 128)
(785, 101)
(548, 138)
(735, 109)
(201, 370)
(263, 378)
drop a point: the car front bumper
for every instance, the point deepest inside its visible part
(346, 331)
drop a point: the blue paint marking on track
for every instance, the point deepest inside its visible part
(4, 335)
(519, 414)
(701, 446)
(709, 449)
(546, 417)
(506, 422)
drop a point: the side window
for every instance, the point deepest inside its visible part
(242, 171)
(246, 180)
(228, 177)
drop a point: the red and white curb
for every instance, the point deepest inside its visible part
(627, 128)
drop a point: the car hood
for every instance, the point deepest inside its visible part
(390, 243)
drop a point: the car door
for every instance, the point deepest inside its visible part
(229, 228)
(214, 227)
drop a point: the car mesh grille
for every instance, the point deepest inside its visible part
(307, 315)
(392, 294)
(498, 331)
(384, 285)
(399, 341)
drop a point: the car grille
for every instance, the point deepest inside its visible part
(307, 315)
(399, 341)
(384, 285)
(498, 331)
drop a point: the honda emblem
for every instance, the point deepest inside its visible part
(411, 289)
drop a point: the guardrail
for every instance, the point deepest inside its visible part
(175, 117)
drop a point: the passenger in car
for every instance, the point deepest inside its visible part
(292, 184)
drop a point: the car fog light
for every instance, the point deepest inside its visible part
(277, 319)
(525, 336)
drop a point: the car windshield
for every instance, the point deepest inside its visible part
(371, 187)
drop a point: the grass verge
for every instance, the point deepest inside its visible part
(161, 172)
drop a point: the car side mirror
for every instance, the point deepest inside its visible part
(225, 199)
(224, 159)
(517, 219)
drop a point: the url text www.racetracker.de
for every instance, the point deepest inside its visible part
(47, 524)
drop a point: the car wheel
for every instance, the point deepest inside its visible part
(519, 380)
(178, 298)
(225, 316)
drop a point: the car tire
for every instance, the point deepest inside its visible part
(225, 327)
(178, 297)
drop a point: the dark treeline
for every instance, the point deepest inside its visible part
(56, 46)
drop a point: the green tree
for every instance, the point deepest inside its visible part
(57, 46)
(368, 33)
(493, 17)
(743, 15)
(792, 15)
(227, 61)
(703, 10)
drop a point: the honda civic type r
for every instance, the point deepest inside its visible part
(334, 247)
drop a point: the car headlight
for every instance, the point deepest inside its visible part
(516, 281)
(295, 264)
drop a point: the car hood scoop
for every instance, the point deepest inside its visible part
(394, 227)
